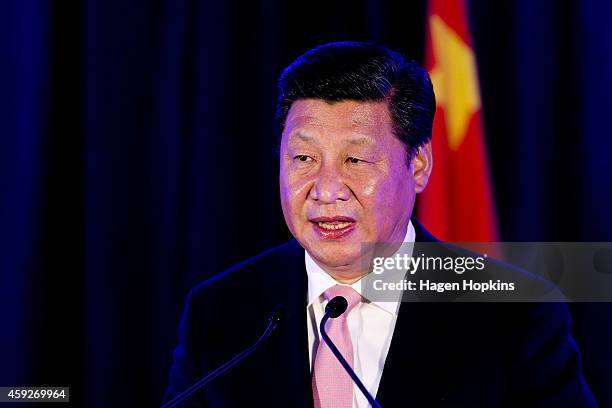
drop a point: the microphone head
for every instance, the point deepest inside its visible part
(277, 314)
(336, 306)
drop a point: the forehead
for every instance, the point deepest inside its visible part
(368, 118)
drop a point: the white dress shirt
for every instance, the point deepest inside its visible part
(371, 326)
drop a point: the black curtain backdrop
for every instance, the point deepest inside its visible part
(137, 158)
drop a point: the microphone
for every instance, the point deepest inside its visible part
(335, 308)
(273, 321)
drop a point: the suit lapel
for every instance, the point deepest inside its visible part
(403, 367)
(405, 375)
(292, 351)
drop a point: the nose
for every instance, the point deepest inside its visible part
(329, 186)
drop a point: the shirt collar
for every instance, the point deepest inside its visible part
(319, 280)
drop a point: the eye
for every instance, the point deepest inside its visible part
(354, 160)
(303, 158)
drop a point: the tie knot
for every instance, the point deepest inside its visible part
(350, 294)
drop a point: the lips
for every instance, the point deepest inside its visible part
(334, 227)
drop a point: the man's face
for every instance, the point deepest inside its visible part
(344, 180)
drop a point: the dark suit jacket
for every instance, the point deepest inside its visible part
(441, 354)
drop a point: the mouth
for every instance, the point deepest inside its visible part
(333, 228)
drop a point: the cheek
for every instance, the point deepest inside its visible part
(373, 190)
(294, 192)
(369, 188)
(383, 194)
(372, 193)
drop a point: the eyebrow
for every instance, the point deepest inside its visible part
(303, 137)
(359, 141)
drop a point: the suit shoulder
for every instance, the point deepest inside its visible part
(254, 272)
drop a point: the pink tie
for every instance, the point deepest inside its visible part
(332, 387)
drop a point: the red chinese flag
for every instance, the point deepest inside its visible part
(457, 204)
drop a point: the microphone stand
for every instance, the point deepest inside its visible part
(273, 321)
(345, 364)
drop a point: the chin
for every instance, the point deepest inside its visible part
(333, 253)
(337, 259)
(340, 265)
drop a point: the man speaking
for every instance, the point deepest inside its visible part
(355, 121)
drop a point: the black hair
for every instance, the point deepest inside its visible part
(363, 72)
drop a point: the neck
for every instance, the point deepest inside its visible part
(346, 280)
(346, 274)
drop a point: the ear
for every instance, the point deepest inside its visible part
(422, 163)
